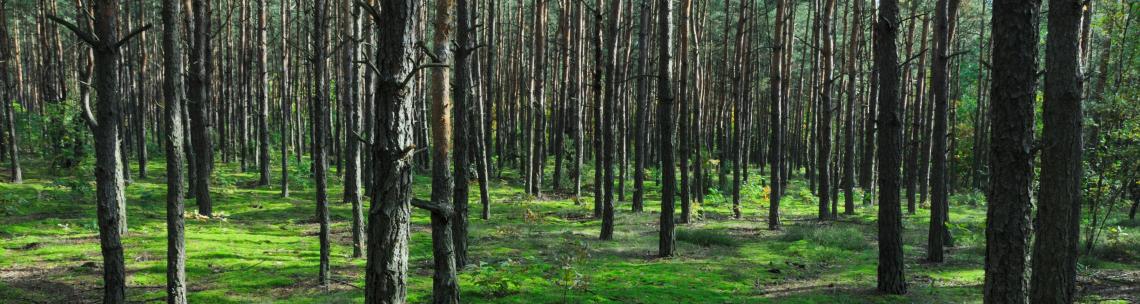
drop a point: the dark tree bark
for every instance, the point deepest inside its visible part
(104, 40)
(1013, 92)
(320, 118)
(852, 98)
(945, 12)
(286, 99)
(198, 94)
(823, 155)
(461, 92)
(608, 134)
(686, 102)
(667, 241)
(13, 139)
(891, 277)
(641, 137)
(776, 115)
(173, 94)
(537, 129)
(262, 88)
(1059, 202)
(390, 211)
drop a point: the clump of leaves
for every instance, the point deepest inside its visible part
(704, 237)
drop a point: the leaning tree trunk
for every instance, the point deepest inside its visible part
(173, 94)
(1014, 89)
(1059, 202)
(891, 277)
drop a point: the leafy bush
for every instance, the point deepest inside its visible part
(847, 238)
(494, 280)
(705, 238)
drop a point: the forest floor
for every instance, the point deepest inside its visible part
(262, 248)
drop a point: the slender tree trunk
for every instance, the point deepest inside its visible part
(320, 118)
(1014, 87)
(944, 13)
(462, 110)
(852, 99)
(683, 119)
(445, 286)
(13, 143)
(641, 137)
(776, 115)
(1059, 202)
(262, 88)
(824, 141)
(667, 244)
(173, 94)
(198, 94)
(608, 134)
(286, 99)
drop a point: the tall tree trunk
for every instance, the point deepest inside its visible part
(776, 115)
(320, 119)
(891, 277)
(686, 101)
(641, 137)
(7, 98)
(824, 141)
(945, 12)
(1014, 89)
(262, 87)
(198, 95)
(667, 240)
(173, 94)
(462, 110)
(1059, 202)
(105, 124)
(390, 212)
(852, 99)
(445, 286)
(608, 134)
(286, 99)
(353, 127)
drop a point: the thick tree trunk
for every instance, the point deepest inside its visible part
(1014, 87)
(173, 94)
(390, 211)
(1059, 202)
(891, 277)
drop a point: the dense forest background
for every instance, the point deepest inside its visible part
(581, 151)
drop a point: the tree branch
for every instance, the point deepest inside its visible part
(91, 40)
(421, 67)
(371, 10)
(440, 209)
(132, 34)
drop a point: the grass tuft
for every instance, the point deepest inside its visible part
(706, 238)
(848, 238)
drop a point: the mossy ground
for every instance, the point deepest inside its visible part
(263, 248)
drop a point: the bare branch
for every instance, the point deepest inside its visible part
(85, 36)
(132, 34)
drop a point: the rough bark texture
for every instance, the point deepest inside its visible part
(6, 97)
(891, 277)
(386, 272)
(262, 89)
(608, 134)
(944, 14)
(776, 115)
(667, 244)
(320, 140)
(823, 154)
(445, 286)
(1059, 203)
(173, 95)
(461, 93)
(198, 93)
(1013, 91)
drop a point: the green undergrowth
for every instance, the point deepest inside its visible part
(260, 247)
